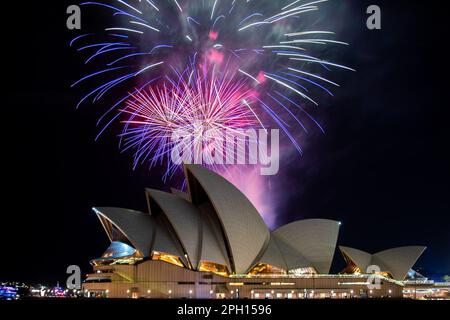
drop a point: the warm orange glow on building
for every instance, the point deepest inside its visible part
(262, 268)
(159, 256)
(216, 268)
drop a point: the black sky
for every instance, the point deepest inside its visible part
(382, 168)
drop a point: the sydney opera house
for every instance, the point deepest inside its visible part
(211, 242)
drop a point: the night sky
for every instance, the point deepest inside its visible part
(382, 168)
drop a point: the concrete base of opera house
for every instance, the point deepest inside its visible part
(158, 279)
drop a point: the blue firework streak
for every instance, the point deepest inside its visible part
(262, 43)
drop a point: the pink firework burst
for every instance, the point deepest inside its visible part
(194, 106)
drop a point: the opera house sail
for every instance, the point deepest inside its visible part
(211, 242)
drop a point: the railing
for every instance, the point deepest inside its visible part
(442, 284)
(314, 276)
(418, 282)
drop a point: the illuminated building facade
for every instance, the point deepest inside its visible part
(211, 242)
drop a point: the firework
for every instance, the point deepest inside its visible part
(259, 67)
(191, 106)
